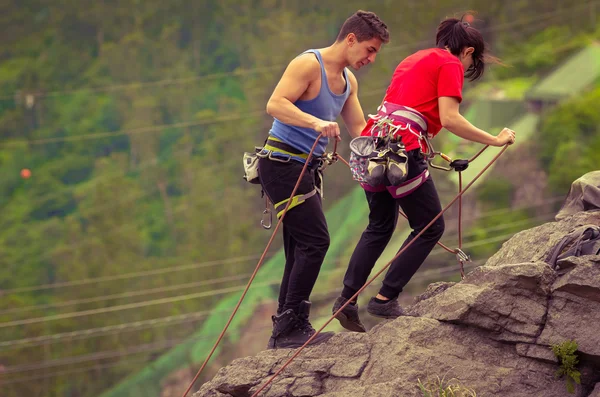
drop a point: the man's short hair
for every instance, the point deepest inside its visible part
(365, 25)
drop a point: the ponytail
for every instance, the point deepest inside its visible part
(455, 35)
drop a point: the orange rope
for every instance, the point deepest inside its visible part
(297, 353)
(255, 270)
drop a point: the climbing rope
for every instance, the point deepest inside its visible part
(260, 261)
(384, 268)
(458, 165)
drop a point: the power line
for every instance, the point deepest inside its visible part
(157, 346)
(144, 347)
(140, 348)
(488, 239)
(210, 264)
(501, 226)
(188, 317)
(127, 306)
(159, 83)
(125, 276)
(73, 371)
(217, 262)
(99, 135)
(148, 163)
(98, 356)
(420, 276)
(110, 329)
(129, 294)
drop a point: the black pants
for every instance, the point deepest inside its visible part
(420, 207)
(305, 234)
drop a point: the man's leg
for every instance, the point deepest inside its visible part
(307, 227)
(289, 247)
(305, 232)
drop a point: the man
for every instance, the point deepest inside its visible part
(314, 90)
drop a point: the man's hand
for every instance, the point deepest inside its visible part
(505, 136)
(329, 129)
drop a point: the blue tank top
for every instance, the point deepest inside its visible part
(325, 106)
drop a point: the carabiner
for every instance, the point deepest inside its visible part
(264, 224)
(462, 257)
(439, 167)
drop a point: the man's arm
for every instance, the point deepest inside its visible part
(454, 122)
(296, 79)
(352, 112)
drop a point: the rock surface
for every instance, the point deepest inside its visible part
(490, 333)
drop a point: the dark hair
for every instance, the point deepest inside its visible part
(365, 25)
(454, 34)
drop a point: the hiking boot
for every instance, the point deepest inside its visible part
(348, 317)
(389, 309)
(271, 343)
(292, 330)
(397, 164)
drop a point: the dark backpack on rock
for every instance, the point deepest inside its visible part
(583, 240)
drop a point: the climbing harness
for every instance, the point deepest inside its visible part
(370, 160)
(276, 150)
(461, 256)
(381, 156)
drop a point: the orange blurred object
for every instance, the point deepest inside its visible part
(25, 173)
(469, 18)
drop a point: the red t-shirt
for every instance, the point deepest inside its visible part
(418, 81)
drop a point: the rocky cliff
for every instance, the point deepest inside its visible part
(488, 335)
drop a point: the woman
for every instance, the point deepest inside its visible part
(423, 96)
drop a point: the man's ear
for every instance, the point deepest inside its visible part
(351, 39)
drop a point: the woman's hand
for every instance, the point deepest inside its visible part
(506, 136)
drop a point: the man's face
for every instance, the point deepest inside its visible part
(362, 53)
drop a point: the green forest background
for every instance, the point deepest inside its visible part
(132, 117)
